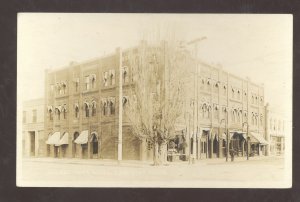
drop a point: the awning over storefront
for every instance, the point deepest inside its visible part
(63, 140)
(82, 138)
(257, 138)
(54, 138)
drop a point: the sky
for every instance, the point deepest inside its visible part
(250, 45)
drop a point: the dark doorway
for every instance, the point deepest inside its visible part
(32, 143)
(94, 144)
(215, 147)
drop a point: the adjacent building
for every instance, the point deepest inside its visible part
(33, 141)
(275, 131)
(82, 106)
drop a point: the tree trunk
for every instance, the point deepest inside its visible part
(156, 158)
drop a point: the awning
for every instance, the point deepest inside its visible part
(82, 138)
(63, 140)
(257, 138)
(54, 138)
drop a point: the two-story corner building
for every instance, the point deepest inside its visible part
(275, 130)
(220, 103)
(82, 108)
(33, 128)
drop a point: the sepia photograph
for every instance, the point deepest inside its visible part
(154, 100)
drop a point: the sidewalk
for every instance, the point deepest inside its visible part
(137, 163)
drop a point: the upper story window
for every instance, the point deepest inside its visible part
(63, 88)
(87, 82)
(216, 112)
(252, 99)
(104, 107)
(64, 111)
(261, 119)
(224, 90)
(87, 109)
(125, 75)
(202, 84)
(261, 101)
(76, 110)
(245, 116)
(208, 85)
(232, 93)
(216, 87)
(76, 84)
(108, 105)
(58, 111)
(245, 96)
(94, 108)
(93, 80)
(256, 100)
(50, 111)
(238, 95)
(112, 105)
(34, 116)
(24, 116)
(105, 78)
(112, 77)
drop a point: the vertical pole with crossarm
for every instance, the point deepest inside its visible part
(120, 108)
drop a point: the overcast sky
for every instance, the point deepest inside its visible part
(257, 46)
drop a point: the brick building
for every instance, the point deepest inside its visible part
(81, 109)
(33, 128)
(275, 131)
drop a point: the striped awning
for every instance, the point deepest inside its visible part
(54, 138)
(63, 140)
(257, 138)
(82, 138)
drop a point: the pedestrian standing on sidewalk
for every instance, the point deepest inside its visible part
(231, 151)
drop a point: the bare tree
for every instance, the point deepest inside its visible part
(157, 95)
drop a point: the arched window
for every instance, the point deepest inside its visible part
(105, 78)
(232, 93)
(93, 80)
(238, 95)
(252, 119)
(202, 84)
(125, 75)
(245, 116)
(76, 111)
(50, 111)
(64, 111)
(111, 104)
(216, 112)
(94, 108)
(86, 109)
(112, 76)
(216, 87)
(104, 107)
(209, 112)
(252, 99)
(64, 87)
(224, 90)
(57, 111)
(233, 116)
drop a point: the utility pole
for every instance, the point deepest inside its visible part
(120, 108)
